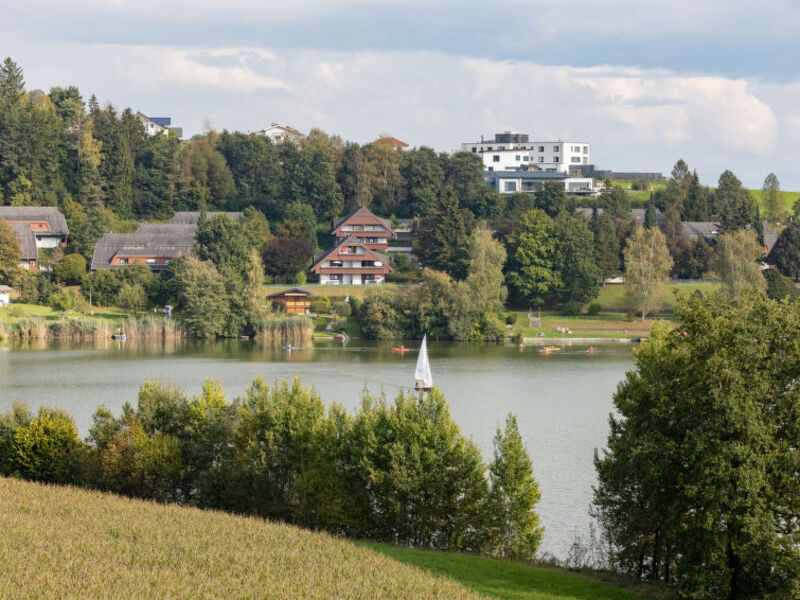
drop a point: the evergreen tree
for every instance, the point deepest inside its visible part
(424, 177)
(650, 216)
(785, 254)
(696, 206)
(614, 200)
(573, 260)
(733, 205)
(606, 248)
(529, 269)
(551, 198)
(514, 528)
(774, 209)
(12, 83)
(443, 239)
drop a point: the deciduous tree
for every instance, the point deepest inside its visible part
(647, 266)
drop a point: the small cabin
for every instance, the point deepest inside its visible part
(294, 301)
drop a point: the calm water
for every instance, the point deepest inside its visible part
(562, 400)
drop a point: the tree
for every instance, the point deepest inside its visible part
(201, 296)
(70, 269)
(284, 257)
(647, 266)
(443, 239)
(606, 248)
(696, 207)
(530, 272)
(733, 205)
(650, 216)
(780, 287)
(736, 262)
(131, 296)
(614, 200)
(774, 208)
(12, 83)
(785, 254)
(424, 177)
(552, 198)
(222, 241)
(255, 227)
(10, 253)
(464, 173)
(693, 488)
(573, 259)
(485, 278)
(514, 527)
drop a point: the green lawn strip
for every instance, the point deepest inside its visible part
(508, 580)
(331, 291)
(37, 310)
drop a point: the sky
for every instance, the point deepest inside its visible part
(645, 82)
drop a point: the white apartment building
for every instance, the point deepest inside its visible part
(511, 182)
(513, 150)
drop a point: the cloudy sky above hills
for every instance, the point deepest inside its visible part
(713, 81)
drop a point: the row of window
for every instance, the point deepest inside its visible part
(576, 149)
(365, 277)
(149, 261)
(496, 158)
(364, 263)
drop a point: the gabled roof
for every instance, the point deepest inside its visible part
(295, 290)
(191, 217)
(149, 240)
(638, 214)
(364, 215)
(770, 236)
(352, 241)
(700, 229)
(26, 240)
(391, 142)
(49, 214)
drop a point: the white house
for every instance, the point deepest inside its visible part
(278, 134)
(159, 125)
(514, 150)
(511, 182)
(5, 295)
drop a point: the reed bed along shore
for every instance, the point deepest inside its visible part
(69, 543)
(90, 328)
(285, 330)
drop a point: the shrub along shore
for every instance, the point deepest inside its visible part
(85, 328)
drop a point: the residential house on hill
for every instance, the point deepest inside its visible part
(278, 134)
(351, 262)
(48, 225)
(390, 143)
(365, 227)
(154, 245)
(159, 125)
(191, 217)
(29, 253)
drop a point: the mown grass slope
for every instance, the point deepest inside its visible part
(60, 542)
(516, 581)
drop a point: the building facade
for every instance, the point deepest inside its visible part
(351, 262)
(154, 245)
(512, 182)
(514, 150)
(159, 125)
(35, 227)
(278, 134)
(365, 227)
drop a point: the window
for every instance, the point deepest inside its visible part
(491, 169)
(123, 261)
(496, 158)
(526, 158)
(489, 148)
(334, 276)
(576, 159)
(586, 149)
(517, 158)
(541, 159)
(556, 148)
(336, 263)
(368, 278)
(474, 149)
(555, 159)
(151, 261)
(541, 148)
(510, 186)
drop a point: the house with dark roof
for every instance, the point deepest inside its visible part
(47, 223)
(191, 217)
(351, 262)
(29, 252)
(159, 125)
(294, 301)
(365, 227)
(154, 245)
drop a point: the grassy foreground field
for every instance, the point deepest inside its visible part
(61, 542)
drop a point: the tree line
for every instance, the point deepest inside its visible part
(398, 472)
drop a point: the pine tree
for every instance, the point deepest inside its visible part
(514, 529)
(12, 83)
(9, 254)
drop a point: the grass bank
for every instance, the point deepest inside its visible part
(70, 543)
(494, 578)
(331, 291)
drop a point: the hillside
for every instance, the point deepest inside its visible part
(64, 542)
(69, 543)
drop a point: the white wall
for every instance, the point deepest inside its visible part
(46, 242)
(547, 156)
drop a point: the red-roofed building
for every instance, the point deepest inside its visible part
(351, 262)
(364, 227)
(391, 143)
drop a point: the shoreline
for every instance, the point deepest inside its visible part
(536, 341)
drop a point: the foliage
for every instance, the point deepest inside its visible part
(774, 208)
(785, 254)
(131, 296)
(695, 488)
(647, 266)
(10, 254)
(780, 287)
(285, 257)
(571, 309)
(606, 247)
(442, 239)
(737, 262)
(342, 309)
(515, 529)
(573, 260)
(614, 200)
(530, 272)
(594, 309)
(201, 296)
(70, 269)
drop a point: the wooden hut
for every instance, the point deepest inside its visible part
(295, 300)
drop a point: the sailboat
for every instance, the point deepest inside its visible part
(422, 374)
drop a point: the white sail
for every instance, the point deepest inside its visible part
(422, 374)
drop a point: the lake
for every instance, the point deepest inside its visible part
(562, 400)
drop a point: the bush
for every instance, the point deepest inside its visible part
(15, 311)
(60, 302)
(46, 448)
(594, 309)
(321, 305)
(298, 278)
(571, 309)
(343, 309)
(70, 268)
(511, 319)
(131, 296)
(401, 262)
